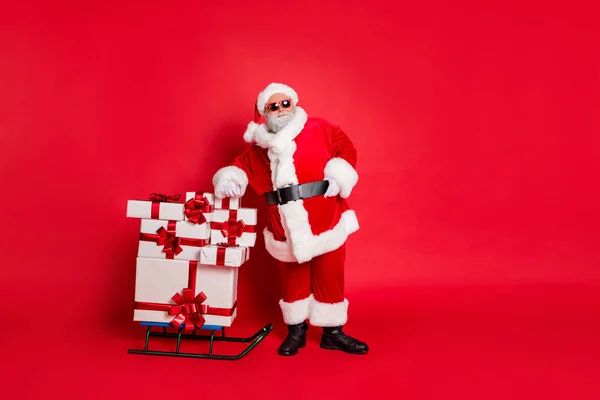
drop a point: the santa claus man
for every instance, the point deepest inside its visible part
(305, 168)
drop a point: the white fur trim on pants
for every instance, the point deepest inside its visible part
(343, 173)
(313, 245)
(230, 173)
(328, 314)
(295, 312)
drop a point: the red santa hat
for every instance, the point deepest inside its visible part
(261, 102)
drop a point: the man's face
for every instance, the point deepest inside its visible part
(279, 111)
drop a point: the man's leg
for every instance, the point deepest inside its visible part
(295, 305)
(329, 307)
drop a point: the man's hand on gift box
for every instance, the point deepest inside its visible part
(333, 189)
(231, 189)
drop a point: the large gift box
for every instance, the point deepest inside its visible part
(185, 293)
(234, 227)
(177, 240)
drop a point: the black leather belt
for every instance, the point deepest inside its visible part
(296, 192)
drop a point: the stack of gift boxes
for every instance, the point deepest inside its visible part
(188, 258)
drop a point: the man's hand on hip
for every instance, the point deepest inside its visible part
(333, 189)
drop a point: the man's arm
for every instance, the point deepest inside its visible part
(341, 167)
(232, 180)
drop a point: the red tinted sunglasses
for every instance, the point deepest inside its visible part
(287, 103)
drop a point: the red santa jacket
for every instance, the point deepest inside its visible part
(306, 150)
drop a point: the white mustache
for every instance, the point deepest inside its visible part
(276, 122)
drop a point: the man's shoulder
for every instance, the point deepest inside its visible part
(254, 149)
(315, 122)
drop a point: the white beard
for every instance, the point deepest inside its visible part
(277, 122)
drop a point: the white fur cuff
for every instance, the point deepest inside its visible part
(343, 173)
(295, 312)
(328, 314)
(230, 173)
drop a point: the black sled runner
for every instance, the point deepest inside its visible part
(159, 330)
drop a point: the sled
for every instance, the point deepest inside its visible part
(251, 341)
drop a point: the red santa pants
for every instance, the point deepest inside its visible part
(314, 290)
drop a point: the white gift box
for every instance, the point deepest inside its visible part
(240, 226)
(178, 240)
(155, 210)
(229, 256)
(157, 281)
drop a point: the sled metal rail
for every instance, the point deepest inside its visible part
(252, 340)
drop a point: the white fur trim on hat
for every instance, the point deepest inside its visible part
(270, 90)
(295, 312)
(328, 314)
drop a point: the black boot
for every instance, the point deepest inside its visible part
(335, 339)
(295, 339)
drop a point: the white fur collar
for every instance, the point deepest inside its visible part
(277, 142)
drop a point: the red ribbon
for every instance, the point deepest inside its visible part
(154, 212)
(171, 243)
(221, 250)
(196, 207)
(232, 228)
(225, 203)
(157, 198)
(189, 309)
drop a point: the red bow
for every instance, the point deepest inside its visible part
(195, 209)
(189, 309)
(232, 228)
(170, 242)
(164, 197)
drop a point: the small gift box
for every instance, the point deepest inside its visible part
(176, 240)
(234, 227)
(158, 206)
(229, 256)
(184, 293)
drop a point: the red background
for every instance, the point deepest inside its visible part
(475, 272)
